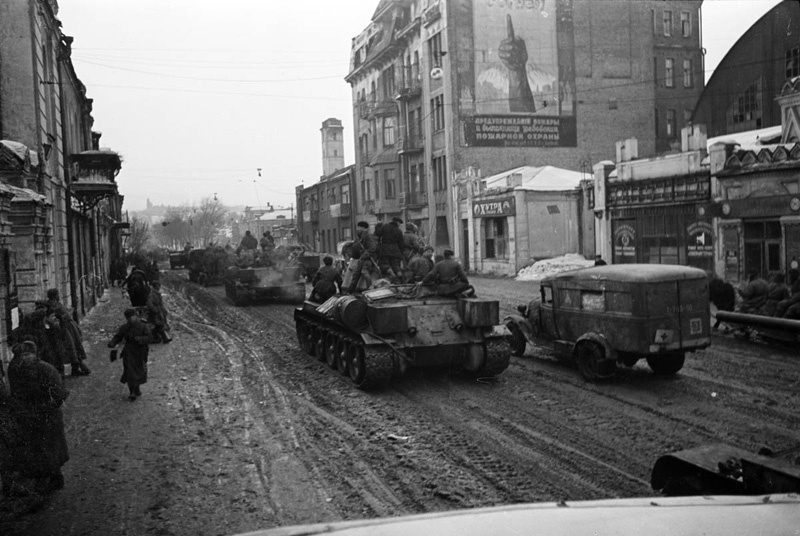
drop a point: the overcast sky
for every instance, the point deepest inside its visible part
(198, 95)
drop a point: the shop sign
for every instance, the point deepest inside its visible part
(701, 240)
(754, 207)
(498, 207)
(624, 241)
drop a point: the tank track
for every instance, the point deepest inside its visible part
(378, 362)
(497, 357)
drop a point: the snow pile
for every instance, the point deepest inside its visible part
(540, 270)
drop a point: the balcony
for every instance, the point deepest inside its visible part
(412, 144)
(340, 210)
(411, 84)
(413, 199)
(93, 177)
(369, 108)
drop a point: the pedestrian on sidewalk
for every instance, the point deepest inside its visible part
(35, 446)
(157, 313)
(69, 333)
(33, 327)
(136, 336)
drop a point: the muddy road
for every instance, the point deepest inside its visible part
(239, 430)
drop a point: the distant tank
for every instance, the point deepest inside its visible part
(268, 283)
(379, 334)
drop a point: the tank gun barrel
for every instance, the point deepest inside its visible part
(784, 324)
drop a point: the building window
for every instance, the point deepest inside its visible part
(671, 126)
(746, 108)
(496, 242)
(687, 73)
(437, 113)
(389, 186)
(335, 152)
(374, 131)
(389, 128)
(345, 193)
(687, 116)
(439, 173)
(667, 22)
(657, 123)
(376, 177)
(387, 82)
(435, 50)
(612, 103)
(792, 62)
(686, 24)
(331, 196)
(669, 72)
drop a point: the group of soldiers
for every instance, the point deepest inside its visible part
(394, 252)
(758, 296)
(33, 445)
(143, 286)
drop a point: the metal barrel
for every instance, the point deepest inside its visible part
(784, 324)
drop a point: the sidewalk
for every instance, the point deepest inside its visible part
(107, 434)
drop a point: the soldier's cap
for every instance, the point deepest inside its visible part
(363, 225)
(448, 252)
(428, 248)
(130, 312)
(397, 220)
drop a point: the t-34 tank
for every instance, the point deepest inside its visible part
(248, 285)
(378, 335)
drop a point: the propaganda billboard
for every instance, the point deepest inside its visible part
(519, 89)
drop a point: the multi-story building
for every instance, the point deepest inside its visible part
(59, 207)
(740, 95)
(443, 85)
(324, 215)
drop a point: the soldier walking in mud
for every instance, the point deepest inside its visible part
(134, 355)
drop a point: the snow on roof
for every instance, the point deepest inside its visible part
(545, 178)
(750, 138)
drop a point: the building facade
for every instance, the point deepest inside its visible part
(45, 121)
(439, 86)
(740, 95)
(656, 210)
(757, 198)
(515, 218)
(325, 217)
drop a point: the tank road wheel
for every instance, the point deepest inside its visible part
(318, 338)
(330, 349)
(516, 340)
(497, 358)
(355, 363)
(666, 365)
(342, 346)
(592, 362)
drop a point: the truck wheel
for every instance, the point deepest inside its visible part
(592, 362)
(516, 340)
(665, 365)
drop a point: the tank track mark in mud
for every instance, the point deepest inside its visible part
(370, 359)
